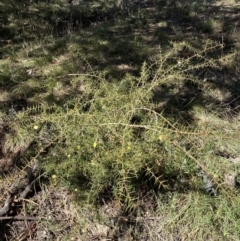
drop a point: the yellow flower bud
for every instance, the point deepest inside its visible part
(161, 137)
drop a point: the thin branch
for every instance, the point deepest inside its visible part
(21, 218)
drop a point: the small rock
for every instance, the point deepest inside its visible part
(235, 160)
(101, 230)
(230, 179)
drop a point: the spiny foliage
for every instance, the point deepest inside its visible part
(114, 135)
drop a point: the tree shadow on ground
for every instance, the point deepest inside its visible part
(121, 43)
(120, 40)
(5, 230)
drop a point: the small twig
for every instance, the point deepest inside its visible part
(6, 206)
(28, 200)
(88, 75)
(20, 218)
(156, 129)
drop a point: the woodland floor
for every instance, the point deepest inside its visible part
(56, 212)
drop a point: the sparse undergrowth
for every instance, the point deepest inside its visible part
(127, 150)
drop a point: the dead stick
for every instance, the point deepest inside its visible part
(20, 218)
